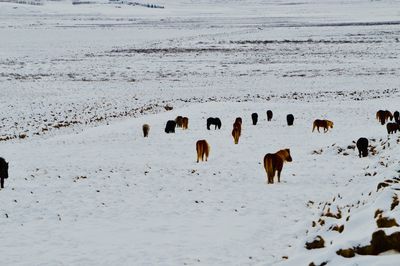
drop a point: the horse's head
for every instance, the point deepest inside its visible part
(330, 124)
(287, 155)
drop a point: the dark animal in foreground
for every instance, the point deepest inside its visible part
(203, 150)
(269, 115)
(254, 118)
(170, 126)
(274, 162)
(290, 119)
(383, 116)
(362, 146)
(326, 124)
(214, 121)
(392, 127)
(185, 123)
(146, 129)
(179, 121)
(3, 171)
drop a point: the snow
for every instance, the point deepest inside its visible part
(86, 188)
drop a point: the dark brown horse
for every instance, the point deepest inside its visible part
(146, 129)
(392, 127)
(383, 116)
(179, 121)
(3, 171)
(274, 162)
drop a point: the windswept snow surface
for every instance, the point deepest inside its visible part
(78, 81)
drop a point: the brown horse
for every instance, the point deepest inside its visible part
(326, 124)
(203, 149)
(274, 162)
(146, 129)
(383, 116)
(185, 123)
(236, 134)
(179, 121)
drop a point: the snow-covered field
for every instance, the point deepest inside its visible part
(78, 81)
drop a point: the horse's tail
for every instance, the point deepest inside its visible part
(199, 149)
(269, 167)
(313, 127)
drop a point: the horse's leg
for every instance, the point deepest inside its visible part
(2, 182)
(279, 176)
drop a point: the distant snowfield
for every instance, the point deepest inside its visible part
(85, 188)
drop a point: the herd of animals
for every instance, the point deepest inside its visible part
(273, 162)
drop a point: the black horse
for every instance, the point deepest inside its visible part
(214, 121)
(254, 117)
(170, 126)
(3, 171)
(290, 119)
(362, 146)
(269, 115)
(396, 116)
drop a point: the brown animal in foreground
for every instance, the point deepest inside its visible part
(185, 123)
(179, 121)
(203, 149)
(274, 162)
(326, 124)
(146, 129)
(383, 116)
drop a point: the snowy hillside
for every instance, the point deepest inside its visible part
(77, 82)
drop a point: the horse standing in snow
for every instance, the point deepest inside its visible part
(383, 116)
(146, 129)
(269, 115)
(214, 121)
(274, 162)
(254, 117)
(362, 146)
(203, 150)
(3, 171)
(289, 119)
(170, 126)
(392, 127)
(326, 124)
